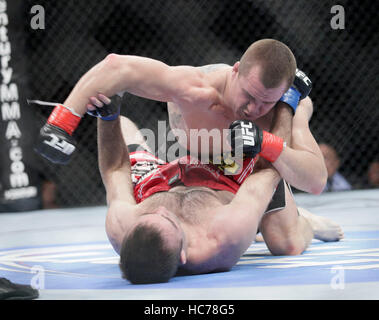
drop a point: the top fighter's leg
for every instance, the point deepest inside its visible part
(284, 231)
(289, 231)
(323, 228)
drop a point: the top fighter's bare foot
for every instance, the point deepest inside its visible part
(323, 228)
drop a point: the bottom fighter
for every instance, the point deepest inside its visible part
(185, 217)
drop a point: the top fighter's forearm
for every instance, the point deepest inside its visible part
(108, 77)
(102, 78)
(282, 122)
(300, 163)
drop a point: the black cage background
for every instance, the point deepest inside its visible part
(341, 63)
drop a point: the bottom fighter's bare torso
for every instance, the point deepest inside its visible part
(190, 204)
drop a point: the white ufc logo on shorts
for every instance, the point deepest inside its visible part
(61, 145)
(247, 135)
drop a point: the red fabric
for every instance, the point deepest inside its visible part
(190, 172)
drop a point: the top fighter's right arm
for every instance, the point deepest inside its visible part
(140, 76)
(144, 77)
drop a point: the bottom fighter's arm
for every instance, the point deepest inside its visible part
(235, 224)
(114, 162)
(114, 165)
(301, 164)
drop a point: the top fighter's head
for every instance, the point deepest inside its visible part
(263, 74)
(153, 249)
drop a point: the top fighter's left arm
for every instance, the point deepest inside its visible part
(301, 163)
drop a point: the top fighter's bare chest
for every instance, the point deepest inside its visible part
(202, 113)
(210, 117)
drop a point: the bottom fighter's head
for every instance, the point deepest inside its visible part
(153, 249)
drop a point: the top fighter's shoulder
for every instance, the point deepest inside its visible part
(213, 67)
(198, 87)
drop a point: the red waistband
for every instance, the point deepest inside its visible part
(190, 172)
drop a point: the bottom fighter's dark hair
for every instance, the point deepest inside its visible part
(145, 256)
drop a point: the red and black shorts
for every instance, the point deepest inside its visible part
(144, 162)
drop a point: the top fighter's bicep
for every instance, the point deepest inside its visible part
(153, 79)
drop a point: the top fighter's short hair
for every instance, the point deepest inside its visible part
(276, 60)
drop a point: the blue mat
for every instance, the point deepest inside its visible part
(95, 266)
(66, 254)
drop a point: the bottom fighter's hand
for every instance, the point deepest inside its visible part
(104, 108)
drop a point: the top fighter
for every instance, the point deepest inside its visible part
(197, 100)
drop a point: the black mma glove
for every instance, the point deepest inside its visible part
(300, 89)
(252, 140)
(55, 144)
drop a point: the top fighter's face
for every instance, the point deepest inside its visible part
(250, 99)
